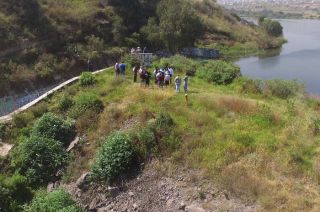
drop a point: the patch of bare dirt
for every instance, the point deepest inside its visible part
(151, 191)
(5, 149)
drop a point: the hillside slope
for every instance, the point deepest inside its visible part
(45, 41)
(259, 146)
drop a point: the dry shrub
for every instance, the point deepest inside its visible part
(110, 120)
(236, 105)
(87, 120)
(243, 182)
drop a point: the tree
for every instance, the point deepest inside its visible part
(179, 25)
(272, 27)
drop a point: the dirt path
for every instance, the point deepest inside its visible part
(5, 149)
(9, 117)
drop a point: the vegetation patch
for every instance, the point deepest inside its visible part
(54, 127)
(219, 72)
(58, 200)
(86, 79)
(114, 158)
(39, 159)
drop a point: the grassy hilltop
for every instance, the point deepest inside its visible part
(49, 40)
(258, 140)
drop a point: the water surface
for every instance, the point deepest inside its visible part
(298, 59)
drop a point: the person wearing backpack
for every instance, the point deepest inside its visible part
(185, 83)
(135, 73)
(147, 78)
(177, 81)
(117, 68)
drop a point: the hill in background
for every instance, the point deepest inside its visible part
(49, 40)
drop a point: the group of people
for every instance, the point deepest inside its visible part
(120, 68)
(163, 77)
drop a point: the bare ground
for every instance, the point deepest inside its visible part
(152, 191)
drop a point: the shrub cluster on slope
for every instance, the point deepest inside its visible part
(58, 200)
(39, 158)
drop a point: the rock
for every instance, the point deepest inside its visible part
(94, 204)
(131, 194)
(50, 187)
(182, 206)
(114, 191)
(135, 206)
(83, 182)
(226, 195)
(194, 208)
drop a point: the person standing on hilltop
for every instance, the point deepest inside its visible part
(185, 81)
(167, 78)
(89, 65)
(117, 68)
(171, 71)
(135, 73)
(177, 81)
(122, 68)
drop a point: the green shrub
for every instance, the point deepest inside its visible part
(22, 119)
(250, 85)
(39, 109)
(14, 192)
(85, 102)
(53, 126)
(163, 121)
(283, 88)
(131, 60)
(58, 200)
(114, 158)
(65, 102)
(39, 158)
(86, 79)
(219, 72)
(2, 130)
(146, 145)
(316, 126)
(180, 63)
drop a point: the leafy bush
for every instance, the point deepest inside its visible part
(14, 192)
(272, 27)
(180, 63)
(114, 158)
(53, 126)
(65, 102)
(39, 158)
(131, 60)
(164, 121)
(86, 79)
(85, 102)
(283, 88)
(146, 144)
(219, 72)
(250, 85)
(58, 200)
(2, 130)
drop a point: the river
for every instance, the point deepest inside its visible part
(298, 59)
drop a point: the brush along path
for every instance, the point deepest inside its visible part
(9, 117)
